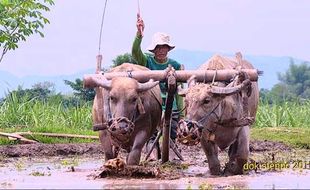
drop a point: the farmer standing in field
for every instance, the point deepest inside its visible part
(159, 60)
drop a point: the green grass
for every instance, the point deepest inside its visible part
(296, 137)
(18, 115)
(288, 122)
(288, 114)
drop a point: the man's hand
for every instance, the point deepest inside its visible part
(140, 26)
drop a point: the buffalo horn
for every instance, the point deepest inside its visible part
(146, 86)
(103, 82)
(230, 90)
(192, 81)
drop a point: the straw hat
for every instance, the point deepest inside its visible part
(160, 38)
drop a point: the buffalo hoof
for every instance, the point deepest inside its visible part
(215, 170)
(233, 168)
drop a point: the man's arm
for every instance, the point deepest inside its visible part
(136, 51)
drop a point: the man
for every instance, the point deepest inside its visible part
(159, 60)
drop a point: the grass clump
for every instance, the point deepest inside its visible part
(287, 122)
(296, 137)
(22, 115)
(287, 114)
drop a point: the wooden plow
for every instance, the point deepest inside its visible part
(171, 77)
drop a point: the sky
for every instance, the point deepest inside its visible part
(71, 42)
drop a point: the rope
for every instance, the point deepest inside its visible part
(138, 7)
(213, 80)
(101, 27)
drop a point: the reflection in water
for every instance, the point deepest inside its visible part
(57, 173)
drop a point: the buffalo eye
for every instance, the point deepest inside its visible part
(134, 100)
(113, 99)
(206, 101)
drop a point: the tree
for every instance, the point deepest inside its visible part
(40, 91)
(125, 58)
(297, 79)
(20, 19)
(294, 85)
(82, 93)
(280, 93)
(264, 95)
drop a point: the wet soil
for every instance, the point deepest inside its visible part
(40, 149)
(83, 166)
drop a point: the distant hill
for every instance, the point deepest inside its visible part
(10, 82)
(191, 60)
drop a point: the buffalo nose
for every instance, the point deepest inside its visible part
(123, 126)
(113, 128)
(185, 133)
(190, 124)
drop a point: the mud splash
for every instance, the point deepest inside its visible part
(74, 173)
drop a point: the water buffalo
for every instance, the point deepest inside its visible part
(219, 115)
(127, 111)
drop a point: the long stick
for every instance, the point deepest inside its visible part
(17, 137)
(172, 85)
(153, 145)
(139, 16)
(57, 135)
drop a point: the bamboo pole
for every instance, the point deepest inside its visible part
(57, 135)
(19, 137)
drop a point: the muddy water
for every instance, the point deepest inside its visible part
(74, 173)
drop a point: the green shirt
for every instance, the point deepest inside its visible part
(149, 61)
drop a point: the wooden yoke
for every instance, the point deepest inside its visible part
(181, 75)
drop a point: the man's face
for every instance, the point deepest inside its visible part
(161, 52)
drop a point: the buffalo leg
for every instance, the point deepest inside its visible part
(232, 151)
(135, 153)
(211, 152)
(240, 153)
(231, 166)
(105, 139)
